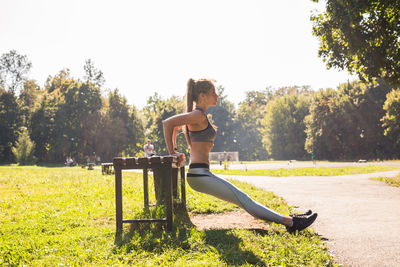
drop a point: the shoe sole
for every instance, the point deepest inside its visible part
(314, 217)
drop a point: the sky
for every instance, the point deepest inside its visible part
(143, 47)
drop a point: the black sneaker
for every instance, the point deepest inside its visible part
(300, 223)
(309, 212)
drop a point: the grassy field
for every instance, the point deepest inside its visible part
(320, 171)
(66, 216)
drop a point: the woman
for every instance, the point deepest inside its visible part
(200, 136)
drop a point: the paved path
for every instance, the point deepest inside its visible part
(359, 218)
(301, 164)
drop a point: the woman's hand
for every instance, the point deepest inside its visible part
(180, 156)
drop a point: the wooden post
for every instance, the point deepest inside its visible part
(159, 183)
(174, 177)
(118, 197)
(183, 186)
(146, 188)
(168, 195)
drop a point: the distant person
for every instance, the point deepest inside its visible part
(220, 158)
(148, 149)
(200, 135)
(69, 162)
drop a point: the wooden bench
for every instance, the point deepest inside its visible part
(165, 169)
(91, 166)
(107, 168)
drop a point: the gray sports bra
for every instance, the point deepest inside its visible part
(206, 135)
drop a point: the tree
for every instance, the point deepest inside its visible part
(223, 116)
(154, 113)
(24, 149)
(317, 124)
(391, 120)
(43, 126)
(93, 75)
(284, 128)
(248, 117)
(338, 128)
(70, 118)
(76, 119)
(13, 70)
(10, 122)
(123, 119)
(362, 37)
(29, 99)
(59, 82)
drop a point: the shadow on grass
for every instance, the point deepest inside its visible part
(48, 165)
(229, 247)
(153, 238)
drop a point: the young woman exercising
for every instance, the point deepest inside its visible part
(200, 136)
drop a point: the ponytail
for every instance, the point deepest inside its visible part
(189, 95)
(189, 106)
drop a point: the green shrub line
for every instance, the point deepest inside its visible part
(66, 216)
(313, 171)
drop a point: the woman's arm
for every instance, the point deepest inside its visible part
(174, 134)
(172, 124)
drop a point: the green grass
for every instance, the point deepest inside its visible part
(393, 181)
(320, 171)
(66, 216)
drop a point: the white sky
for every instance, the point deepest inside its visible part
(144, 47)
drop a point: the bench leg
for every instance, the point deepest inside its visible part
(168, 196)
(183, 186)
(118, 198)
(175, 182)
(146, 188)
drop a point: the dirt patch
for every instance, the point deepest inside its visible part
(228, 220)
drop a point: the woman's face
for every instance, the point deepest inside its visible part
(211, 97)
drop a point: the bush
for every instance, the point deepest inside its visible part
(24, 149)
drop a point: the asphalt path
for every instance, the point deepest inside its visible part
(359, 218)
(300, 164)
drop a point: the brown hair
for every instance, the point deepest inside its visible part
(194, 89)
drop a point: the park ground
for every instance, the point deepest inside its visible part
(358, 215)
(66, 216)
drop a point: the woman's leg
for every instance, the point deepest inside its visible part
(202, 180)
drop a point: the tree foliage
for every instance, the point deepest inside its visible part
(24, 149)
(362, 37)
(122, 128)
(345, 123)
(223, 116)
(71, 117)
(13, 70)
(391, 120)
(157, 110)
(248, 119)
(284, 128)
(29, 99)
(10, 122)
(93, 75)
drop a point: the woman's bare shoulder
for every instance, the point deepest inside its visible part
(192, 117)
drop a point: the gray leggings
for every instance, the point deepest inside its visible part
(202, 180)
